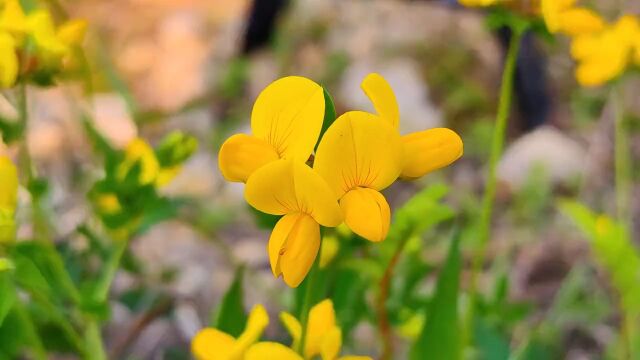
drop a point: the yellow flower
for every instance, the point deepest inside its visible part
(12, 17)
(605, 55)
(41, 27)
(291, 188)
(213, 344)
(8, 199)
(362, 154)
(479, 3)
(140, 152)
(329, 250)
(9, 184)
(72, 32)
(324, 336)
(8, 60)
(286, 122)
(562, 16)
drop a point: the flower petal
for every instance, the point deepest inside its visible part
(578, 21)
(13, 18)
(8, 185)
(381, 95)
(288, 114)
(72, 32)
(367, 213)
(293, 326)
(551, 12)
(241, 155)
(257, 322)
(359, 150)
(331, 344)
(288, 186)
(322, 320)
(429, 150)
(300, 250)
(278, 239)
(139, 151)
(212, 344)
(269, 351)
(8, 60)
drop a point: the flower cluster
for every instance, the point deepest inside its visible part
(358, 156)
(133, 175)
(603, 50)
(8, 199)
(324, 338)
(31, 44)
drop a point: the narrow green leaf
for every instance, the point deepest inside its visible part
(440, 337)
(231, 317)
(329, 114)
(7, 294)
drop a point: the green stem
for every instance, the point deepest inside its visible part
(623, 183)
(384, 326)
(111, 268)
(622, 164)
(308, 295)
(94, 348)
(497, 145)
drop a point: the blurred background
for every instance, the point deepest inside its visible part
(198, 65)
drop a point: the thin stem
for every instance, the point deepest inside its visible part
(622, 164)
(497, 145)
(623, 196)
(93, 342)
(308, 295)
(384, 325)
(102, 290)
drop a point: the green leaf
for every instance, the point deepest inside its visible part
(329, 114)
(7, 294)
(49, 265)
(440, 337)
(231, 317)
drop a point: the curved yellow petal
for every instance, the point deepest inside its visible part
(270, 351)
(287, 186)
(293, 326)
(331, 344)
(293, 247)
(8, 60)
(367, 213)
(41, 27)
(241, 155)
(359, 150)
(139, 151)
(257, 322)
(8, 184)
(72, 32)
(429, 150)
(578, 21)
(551, 12)
(381, 95)
(12, 18)
(322, 320)
(288, 114)
(212, 344)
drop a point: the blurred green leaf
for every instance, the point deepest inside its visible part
(49, 265)
(490, 343)
(440, 337)
(231, 316)
(7, 294)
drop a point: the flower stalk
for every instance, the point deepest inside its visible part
(497, 146)
(308, 299)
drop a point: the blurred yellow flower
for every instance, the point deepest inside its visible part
(139, 152)
(41, 27)
(564, 17)
(9, 66)
(479, 3)
(329, 250)
(213, 344)
(8, 199)
(324, 336)
(286, 122)
(291, 188)
(12, 18)
(605, 55)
